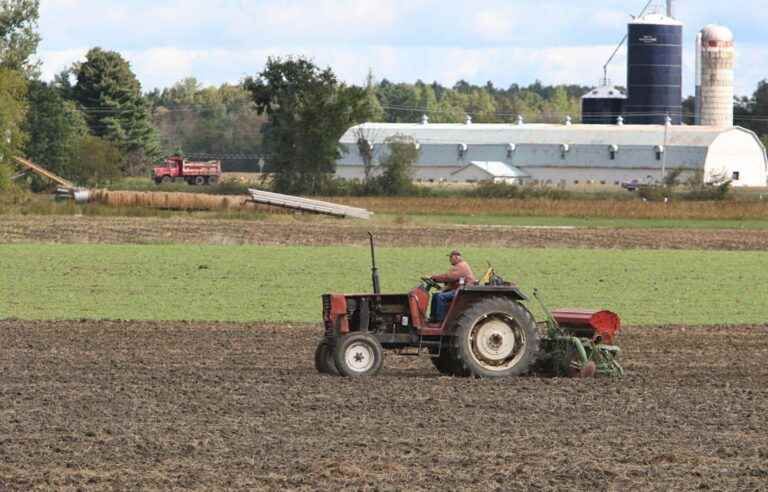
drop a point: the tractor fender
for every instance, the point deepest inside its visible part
(471, 294)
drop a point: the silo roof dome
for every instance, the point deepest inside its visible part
(604, 92)
(656, 19)
(713, 32)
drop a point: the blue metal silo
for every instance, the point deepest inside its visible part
(602, 105)
(654, 70)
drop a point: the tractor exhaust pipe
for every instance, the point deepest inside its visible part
(374, 270)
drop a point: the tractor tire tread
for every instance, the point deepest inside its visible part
(324, 359)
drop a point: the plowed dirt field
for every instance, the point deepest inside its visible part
(318, 231)
(97, 405)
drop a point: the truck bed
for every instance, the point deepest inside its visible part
(202, 168)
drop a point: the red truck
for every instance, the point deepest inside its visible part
(194, 173)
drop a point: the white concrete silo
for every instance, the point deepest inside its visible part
(716, 59)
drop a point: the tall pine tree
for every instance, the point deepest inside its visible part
(110, 95)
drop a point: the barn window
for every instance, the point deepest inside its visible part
(659, 149)
(736, 175)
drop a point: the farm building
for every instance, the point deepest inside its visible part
(498, 172)
(564, 154)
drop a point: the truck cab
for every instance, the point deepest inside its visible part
(172, 169)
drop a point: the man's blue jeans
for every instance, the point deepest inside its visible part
(440, 303)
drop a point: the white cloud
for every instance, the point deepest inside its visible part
(506, 41)
(56, 61)
(492, 25)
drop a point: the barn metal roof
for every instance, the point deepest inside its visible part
(495, 169)
(543, 134)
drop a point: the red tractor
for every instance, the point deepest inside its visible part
(488, 332)
(194, 173)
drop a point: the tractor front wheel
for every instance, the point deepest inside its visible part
(324, 359)
(495, 337)
(358, 355)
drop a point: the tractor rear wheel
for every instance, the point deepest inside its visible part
(358, 355)
(495, 337)
(446, 363)
(324, 359)
(443, 362)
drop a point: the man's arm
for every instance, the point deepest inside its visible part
(452, 276)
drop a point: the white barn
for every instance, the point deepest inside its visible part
(498, 172)
(565, 154)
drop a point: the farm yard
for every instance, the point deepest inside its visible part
(208, 382)
(228, 273)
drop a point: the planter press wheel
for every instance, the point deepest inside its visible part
(575, 368)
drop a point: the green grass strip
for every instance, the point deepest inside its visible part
(256, 283)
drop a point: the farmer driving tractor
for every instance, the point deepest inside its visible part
(459, 274)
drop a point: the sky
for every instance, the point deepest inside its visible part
(503, 41)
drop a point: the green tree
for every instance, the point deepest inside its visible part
(760, 109)
(208, 120)
(55, 128)
(397, 166)
(94, 161)
(109, 93)
(13, 109)
(560, 105)
(452, 108)
(5, 177)
(18, 35)
(308, 110)
(400, 102)
(376, 110)
(481, 106)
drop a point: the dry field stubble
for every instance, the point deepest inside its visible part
(626, 209)
(100, 405)
(612, 209)
(311, 230)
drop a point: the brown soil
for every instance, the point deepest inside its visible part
(288, 230)
(98, 405)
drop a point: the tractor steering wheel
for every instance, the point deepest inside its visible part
(429, 283)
